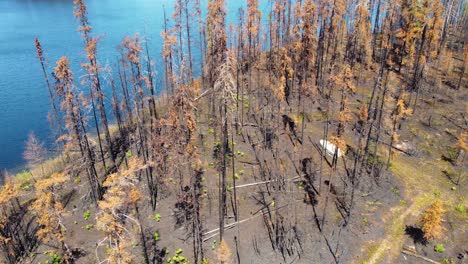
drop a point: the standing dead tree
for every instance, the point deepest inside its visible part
(224, 88)
(93, 69)
(75, 123)
(55, 120)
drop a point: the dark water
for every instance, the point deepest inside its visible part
(24, 101)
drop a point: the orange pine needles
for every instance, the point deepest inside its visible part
(431, 221)
(121, 196)
(224, 252)
(50, 210)
(363, 113)
(401, 110)
(80, 12)
(362, 34)
(462, 140)
(133, 49)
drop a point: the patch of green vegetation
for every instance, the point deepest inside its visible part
(246, 102)
(88, 226)
(128, 154)
(451, 173)
(439, 248)
(413, 130)
(447, 261)
(300, 185)
(157, 217)
(27, 186)
(77, 180)
(375, 160)
(365, 221)
(213, 245)
(395, 190)
(86, 215)
(216, 147)
(211, 130)
(402, 202)
(54, 259)
(371, 251)
(451, 154)
(297, 118)
(178, 258)
(156, 236)
(460, 208)
(374, 203)
(25, 180)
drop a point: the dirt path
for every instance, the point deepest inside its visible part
(391, 243)
(421, 182)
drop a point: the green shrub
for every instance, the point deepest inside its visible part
(25, 180)
(213, 246)
(365, 221)
(128, 154)
(178, 258)
(240, 153)
(439, 248)
(156, 236)
(460, 208)
(26, 186)
(54, 259)
(157, 217)
(86, 215)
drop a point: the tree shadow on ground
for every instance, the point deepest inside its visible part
(416, 234)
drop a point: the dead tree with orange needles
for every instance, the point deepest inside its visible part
(75, 123)
(93, 69)
(50, 213)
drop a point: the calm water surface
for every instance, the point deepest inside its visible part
(24, 101)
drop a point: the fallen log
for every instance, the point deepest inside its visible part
(407, 252)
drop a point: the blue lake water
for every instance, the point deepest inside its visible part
(24, 101)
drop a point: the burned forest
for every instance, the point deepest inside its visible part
(287, 131)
